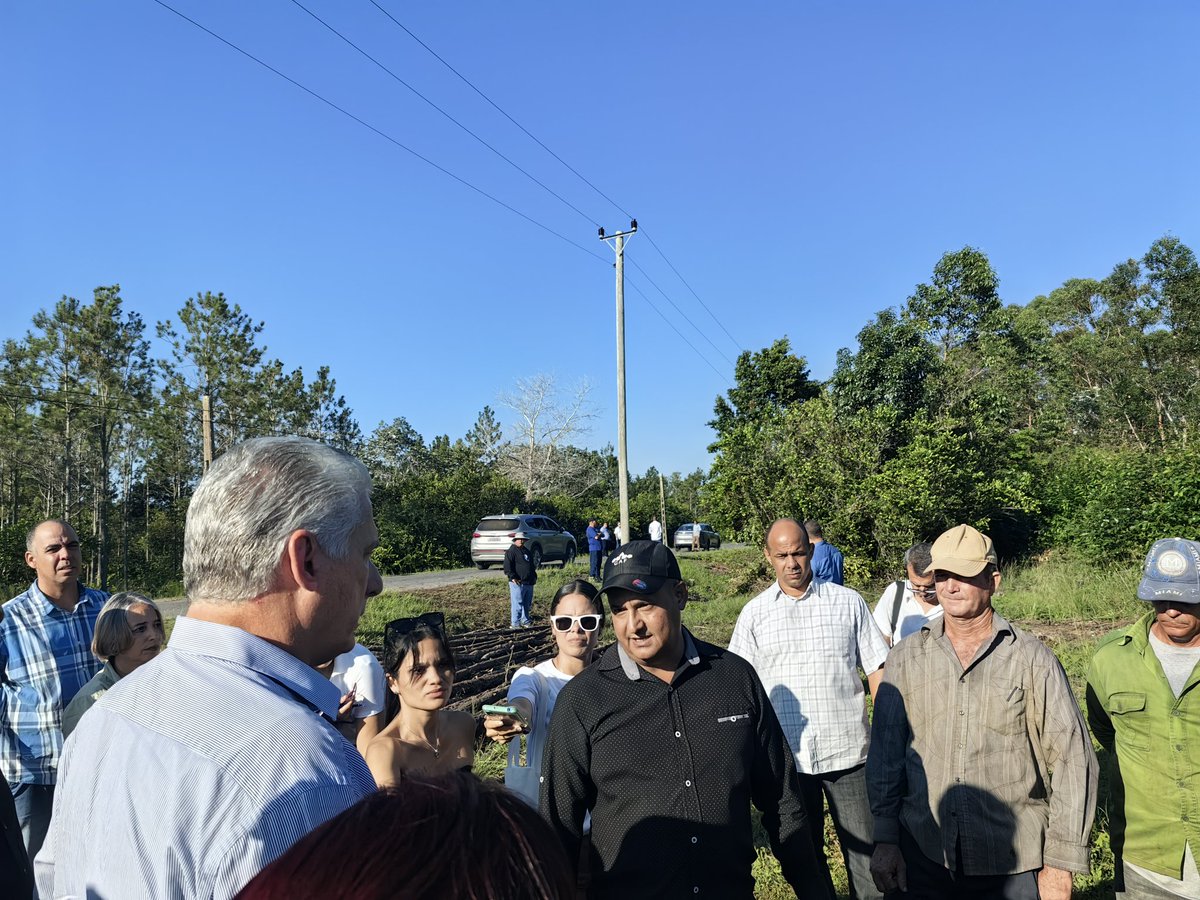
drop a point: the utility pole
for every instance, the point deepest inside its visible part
(618, 244)
(206, 407)
(662, 506)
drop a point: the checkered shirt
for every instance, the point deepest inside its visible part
(46, 654)
(807, 652)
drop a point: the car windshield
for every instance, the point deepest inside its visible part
(685, 527)
(497, 525)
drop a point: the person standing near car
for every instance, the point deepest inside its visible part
(595, 549)
(521, 573)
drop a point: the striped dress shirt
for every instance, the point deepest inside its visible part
(808, 651)
(989, 767)
(46, 654)
(196, 770)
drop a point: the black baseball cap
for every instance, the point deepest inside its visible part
(640, 566)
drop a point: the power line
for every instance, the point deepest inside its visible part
(496, 107)
(642, 294)
(382, 134)
(540, 184)
(566, 164)
(435, 165)
(633, 262)
(711, 314)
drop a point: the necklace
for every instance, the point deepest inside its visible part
(436, 749)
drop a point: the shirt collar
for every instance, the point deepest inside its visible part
(691, 657)
(241, 648)
(1000, 626)
(809, 592)
(85, 599)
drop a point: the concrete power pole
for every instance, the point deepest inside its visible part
(662, 506)
(618, 244)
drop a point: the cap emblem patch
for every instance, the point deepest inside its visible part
(1172, 563)
(640, 585)
(620, 558)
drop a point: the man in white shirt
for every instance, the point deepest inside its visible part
(907, 605)
(655, 531)
(807, 640)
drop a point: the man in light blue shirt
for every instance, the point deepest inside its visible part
(205, 764)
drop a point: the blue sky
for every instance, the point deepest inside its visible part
(802, 166)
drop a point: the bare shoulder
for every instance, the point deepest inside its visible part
(385, 757)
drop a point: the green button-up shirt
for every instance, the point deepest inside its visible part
(1154, 739)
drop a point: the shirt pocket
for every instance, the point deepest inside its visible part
(1127, 709)
(1006, 709)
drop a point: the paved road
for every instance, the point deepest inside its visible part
(416, 581)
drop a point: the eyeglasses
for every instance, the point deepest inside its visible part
(927, 591)
(588, 623)
(401, 627)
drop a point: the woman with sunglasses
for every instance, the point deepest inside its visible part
(576, 616)
(421, 735)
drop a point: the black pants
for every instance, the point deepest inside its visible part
(929, 880)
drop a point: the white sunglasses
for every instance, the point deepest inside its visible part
(589, 622)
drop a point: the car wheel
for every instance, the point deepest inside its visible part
(482, 565)
(569, 556)
(535, 556)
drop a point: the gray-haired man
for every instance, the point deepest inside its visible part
(189, 777)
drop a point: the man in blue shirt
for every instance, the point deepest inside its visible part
(595, 549)
(45, 646)
(208, 762)
(826, 560)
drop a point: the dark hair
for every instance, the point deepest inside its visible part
(813, 527)
(578, 586)
(405, 641)
(427, 838)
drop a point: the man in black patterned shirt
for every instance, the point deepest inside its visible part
(667, 741)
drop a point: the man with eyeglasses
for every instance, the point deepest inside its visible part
(907, 605)
(667, 740)
(807, 640)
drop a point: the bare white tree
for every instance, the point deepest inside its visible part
(540, 455)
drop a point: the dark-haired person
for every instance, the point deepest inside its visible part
(827, 560)
(420, 734)
(576, 617)
(45, 645)
(129, 633)
(668, 741)
(447, 837)
(188, 777)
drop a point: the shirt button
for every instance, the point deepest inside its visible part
(960, 712)
(696, 890)
(687, 784)
(694, 839)
(1177, 712)
(677, 734)
(957, 779)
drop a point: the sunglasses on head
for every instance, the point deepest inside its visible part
(401, 627)
(589, 622)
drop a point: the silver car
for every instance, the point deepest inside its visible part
(547, 541)
(686, 537)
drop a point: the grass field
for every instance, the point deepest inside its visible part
(1066, 603)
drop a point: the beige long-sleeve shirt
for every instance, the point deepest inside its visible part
(989, 768)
